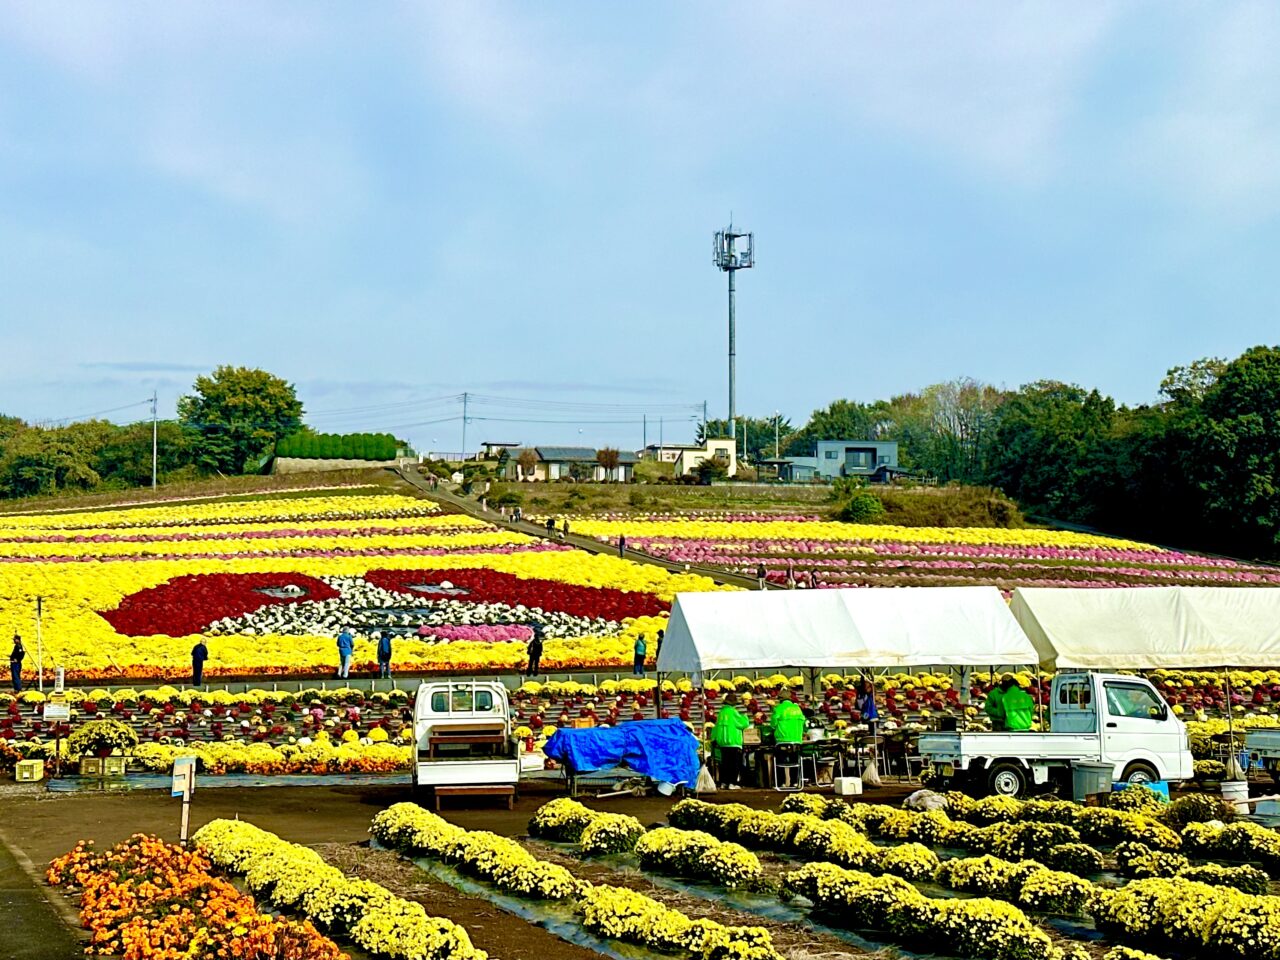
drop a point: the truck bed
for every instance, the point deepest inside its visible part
(1264, 742)
(953, 747)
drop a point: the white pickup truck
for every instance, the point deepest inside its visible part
(1265, 746)
(465, 743)
(1138, 735)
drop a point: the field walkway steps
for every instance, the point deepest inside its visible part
(472, 507)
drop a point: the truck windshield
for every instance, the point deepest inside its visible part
(461, 700)
(1133, 700)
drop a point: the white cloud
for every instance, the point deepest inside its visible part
(1217, 137)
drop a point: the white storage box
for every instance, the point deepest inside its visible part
(848, 786)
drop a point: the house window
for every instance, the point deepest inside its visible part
(859, 459)
(833, 454)
(884, 460)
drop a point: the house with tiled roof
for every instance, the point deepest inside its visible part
(568, 463)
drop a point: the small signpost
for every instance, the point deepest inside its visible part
(57, 712)
(184, 784)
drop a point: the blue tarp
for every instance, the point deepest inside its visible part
(660, 749)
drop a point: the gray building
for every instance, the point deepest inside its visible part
(875, 460)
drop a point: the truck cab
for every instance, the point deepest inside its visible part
(1097, 718)
(464, 735)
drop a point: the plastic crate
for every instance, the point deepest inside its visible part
(114, 766)
(28, 771)
(90, 766)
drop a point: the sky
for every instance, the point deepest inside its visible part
(392, 204)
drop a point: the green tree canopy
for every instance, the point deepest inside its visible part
(235, 416)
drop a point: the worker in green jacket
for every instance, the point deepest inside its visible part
(1019, 708)
(993, 706)
(787, 722)
(727, 737)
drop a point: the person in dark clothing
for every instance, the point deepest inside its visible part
(622, 546)
(565, 530)
(199, 654)
(657, 652)
(760, 574)
(384, 654)
(16, 656)
(534, 650)
(551, 526)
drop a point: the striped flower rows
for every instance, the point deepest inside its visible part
(270, 583)
(842, 555)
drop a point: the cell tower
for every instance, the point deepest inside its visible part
(730, 257)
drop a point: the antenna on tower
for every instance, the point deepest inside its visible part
(733, 250)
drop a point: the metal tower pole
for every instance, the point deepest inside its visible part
(464, 426)
(733, 351)
(154, 444)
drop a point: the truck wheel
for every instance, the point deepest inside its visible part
(1006, 780)
(1140, 772)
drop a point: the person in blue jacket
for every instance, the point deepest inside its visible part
(346, 646)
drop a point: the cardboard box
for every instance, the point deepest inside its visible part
(28, 771)
(751, 737)
(582, 723)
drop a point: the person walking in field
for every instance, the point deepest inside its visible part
(641, 649)
(384, 654)
(346, 647)
(16, 656)
(727, 737)
(761, 574)
(622, 546)
(199, 654)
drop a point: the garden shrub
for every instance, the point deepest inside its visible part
(1078, 858)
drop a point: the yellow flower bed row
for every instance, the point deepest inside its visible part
(981, 927)
(606, 910)
(269, 545)
(845, 532)
(321, 755)
(693, 853)
(192, 514)
(427, 523)
(296, 878)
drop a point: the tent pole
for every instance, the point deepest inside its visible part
(1231, 728)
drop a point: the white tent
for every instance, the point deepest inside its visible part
(842, 629)
(1120, 628)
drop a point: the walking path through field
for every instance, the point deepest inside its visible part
(472, 507)
(30, 926)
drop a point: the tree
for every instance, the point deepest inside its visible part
(527, 461)
(37, 461)
(236, 414)
(609, 458)
(125, 456)
(1237, 441)
(841, 420)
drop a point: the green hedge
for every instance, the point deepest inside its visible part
(338, 446)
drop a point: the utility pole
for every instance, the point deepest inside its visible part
(154, 444)
(776, 447)
(704, 423)
(464, 426)
(39, 644)
(644, 433)
(730, 261)
(660, 438)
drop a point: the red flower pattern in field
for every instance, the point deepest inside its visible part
(490, 586)
(186, 605)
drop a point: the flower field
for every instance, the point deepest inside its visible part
(269, 583)
(850, 554)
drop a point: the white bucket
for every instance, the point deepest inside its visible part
(1236, 792)
(848, 786)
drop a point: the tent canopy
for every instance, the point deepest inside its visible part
(856, 628)
(1185, 628)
